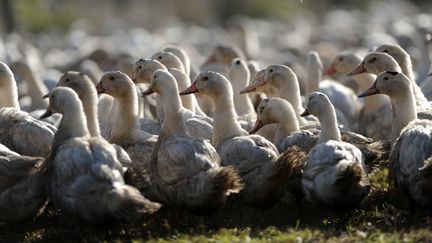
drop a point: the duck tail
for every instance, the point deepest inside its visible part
(293, 159)
(228, 180)
(125, 202)
(351, 175)
(426, 170)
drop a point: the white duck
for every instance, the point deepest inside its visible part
(343, 98)
(254, 157)
(410, 156)
(377, 62)
(86, 173)
(19, 131)
(334, 173)
(143, 71)
(167, 90)
(182, 55)
(286, 84)
(186, 172)
(239, 76)
(375, 119)
(125, 130)
(87, 93)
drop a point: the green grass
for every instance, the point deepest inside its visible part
(385, 216)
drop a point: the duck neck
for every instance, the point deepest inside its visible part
(37, 89)
(374, 102)
(173, 122)
(225, 119)
(291, 93)
(182, 83)
(404, 111)
(126, 121)
(9, 95)
(73, 124)
(406, 66)
(287, 123)
(329, 127)
(314, 78)
(90, 109)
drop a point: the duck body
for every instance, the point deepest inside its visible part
(334, 174)
(22, 188)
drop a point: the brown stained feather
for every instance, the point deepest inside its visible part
(294, 157)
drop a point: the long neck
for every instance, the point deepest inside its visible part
(404, 110)
(314, 78)
(126, 124)
(329, 128)
(225, 119)
(374, 102)
(242, 103)
(37, 89)
(292, 94)
(173, 122)
(9, 95)
(182, 83)
(91, 112)
(287, 123)
(73, 124)
(406, 67)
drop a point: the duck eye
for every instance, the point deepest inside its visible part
(111, 78)
(155, 76)
(237, 62)
(385, 78)
(385, 51)
(205, 78)
(139, 67)
(67, 80)
(340, 59)
(159, 57)
(373, 59)
(271, 70)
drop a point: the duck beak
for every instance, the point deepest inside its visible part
(149, 91)
(99, 88)
(258, 125)
(46, 96)
(47, 113)
(305, 113)
(329, 71)
(191, 89)
(357, 70)
(371, 91)
(258, 82)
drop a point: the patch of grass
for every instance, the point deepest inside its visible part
(385, 216)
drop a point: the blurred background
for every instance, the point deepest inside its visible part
(278, 31)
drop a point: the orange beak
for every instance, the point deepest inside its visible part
(191, 89)
(357, 70)
(258, 82)
(371, 91)
(99, 88)
(329, 71)
(258, 125)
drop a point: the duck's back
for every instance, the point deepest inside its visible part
(411, 162)
(180, 157)
(247, 152)
(23, 134)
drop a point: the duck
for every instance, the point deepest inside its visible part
(285, 84)
(239, 78)
(84, 174)
(401, 57)
(169, 60)
(86, 90)
(125, 128)
(19, 131)
(375, 118)
(186, 171)
(279, 111)
(254, 157)
(343, 98)
(334, 173)
(22, 187)
(36, 86)
(182, 55)
(377, 62)
(167, 90)
(410, 156)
